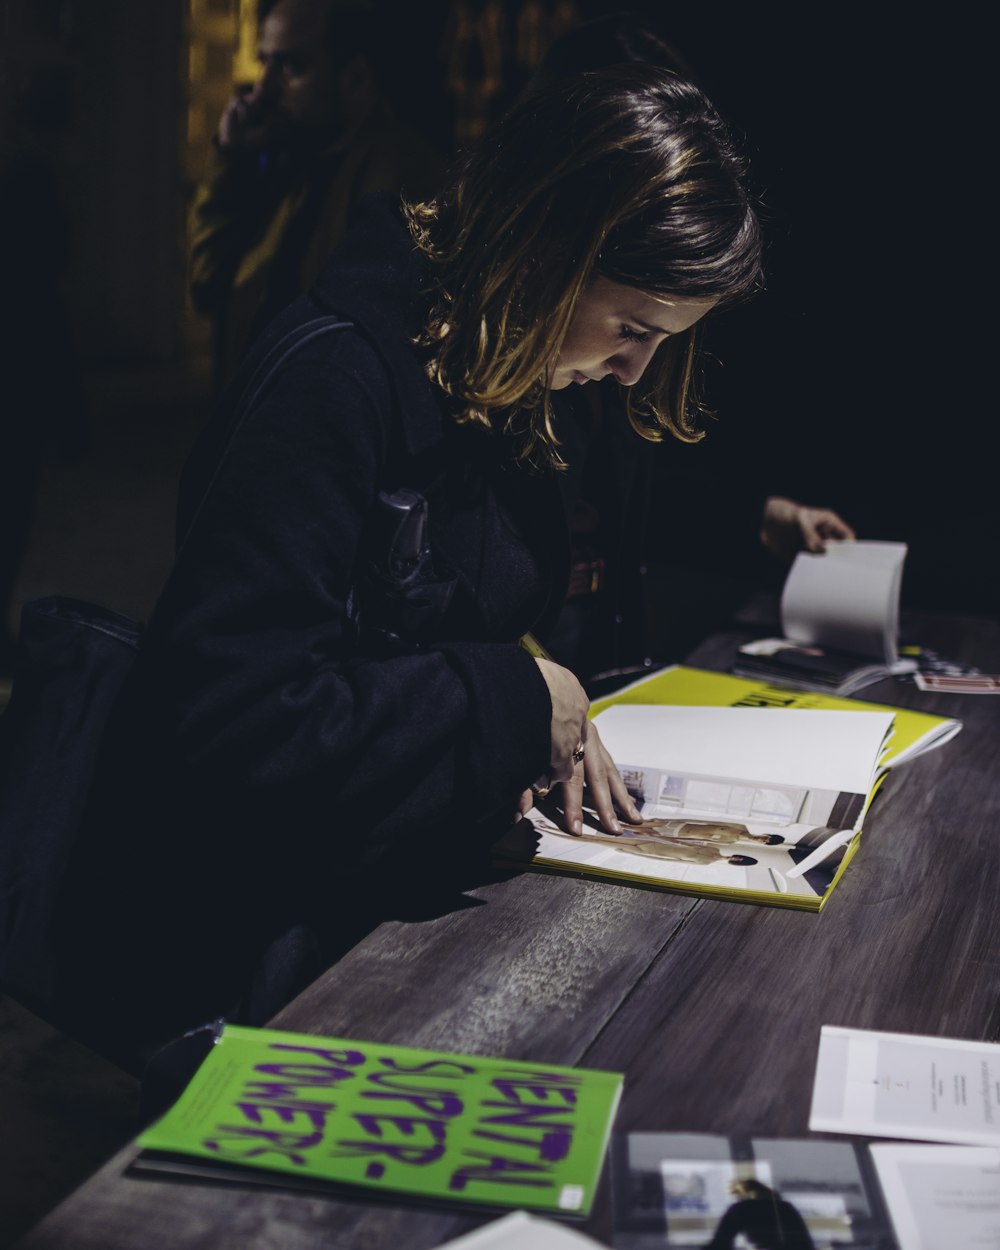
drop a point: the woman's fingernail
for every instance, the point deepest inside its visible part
(578, 826)
(615, 827)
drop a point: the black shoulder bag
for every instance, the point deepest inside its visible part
(72, 658)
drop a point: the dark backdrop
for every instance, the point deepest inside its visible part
(863, 376)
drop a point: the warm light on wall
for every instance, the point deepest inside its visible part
(215, 38)
(245, 60)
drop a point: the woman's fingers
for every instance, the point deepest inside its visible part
(788, 527)
(821, 524)
(606, 790)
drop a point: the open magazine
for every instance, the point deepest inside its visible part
(839, 621)
(737, 802)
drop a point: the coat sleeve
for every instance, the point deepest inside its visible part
(250, 649)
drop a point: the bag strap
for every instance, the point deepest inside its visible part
(276, 357)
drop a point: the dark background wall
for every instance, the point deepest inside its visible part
(861, 378)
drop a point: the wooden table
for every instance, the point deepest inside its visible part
(712, 1009)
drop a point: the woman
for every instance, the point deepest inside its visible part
(288, 741)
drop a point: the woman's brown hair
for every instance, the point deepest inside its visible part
(626, 172)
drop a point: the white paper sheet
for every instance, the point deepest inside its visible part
(521, 1231)
(904, 1085)
(941, 1197)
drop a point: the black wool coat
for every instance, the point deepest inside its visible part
(269, 777)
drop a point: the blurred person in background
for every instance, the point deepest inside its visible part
(293, 154)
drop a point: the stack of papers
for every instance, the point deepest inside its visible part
(932, 1089)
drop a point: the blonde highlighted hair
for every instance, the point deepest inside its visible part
(628, 173)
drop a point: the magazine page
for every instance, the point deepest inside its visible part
(792, 864)
(822, 749)
(914, 732)
(688, 1189)
(940, 1197)
(392, 1119)
(905, 1085)
(846, 598)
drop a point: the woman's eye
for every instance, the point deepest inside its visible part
(632, 336)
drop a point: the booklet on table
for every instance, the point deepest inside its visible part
(325, 1112)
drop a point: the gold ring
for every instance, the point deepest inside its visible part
(579, 753)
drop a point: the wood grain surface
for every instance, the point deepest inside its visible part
(712, 1009)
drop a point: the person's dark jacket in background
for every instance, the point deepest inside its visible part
(262, 224)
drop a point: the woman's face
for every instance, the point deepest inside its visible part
(616, 329)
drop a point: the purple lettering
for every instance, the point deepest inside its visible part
(431, 1065)
(305, 1073)
(434, 1102)
(406, 1125)
(553, 1146)
(350, 1057)
(315, 1112)
(262, 1141)
(402, 1154)
(533, 1117)
(534, 1087)
(498, 1171)
(281, 1089)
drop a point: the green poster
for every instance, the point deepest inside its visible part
(462, 1128)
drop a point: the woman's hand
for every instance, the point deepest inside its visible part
(569, 717)
(579, 757)
(788, 527)
(606, 790)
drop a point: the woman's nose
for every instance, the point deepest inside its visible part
(628, 364)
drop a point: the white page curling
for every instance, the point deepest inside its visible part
(826, 750)
(847, 598)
